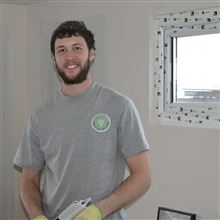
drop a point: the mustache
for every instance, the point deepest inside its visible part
(71, 62)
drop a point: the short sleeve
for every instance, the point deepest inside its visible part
(131, 136)
(29, 154)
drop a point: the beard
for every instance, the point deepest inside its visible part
(79, 78)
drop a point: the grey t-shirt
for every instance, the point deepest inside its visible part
(81, 143)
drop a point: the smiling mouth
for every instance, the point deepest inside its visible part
(71, 67)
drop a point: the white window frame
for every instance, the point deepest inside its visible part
(166, 27)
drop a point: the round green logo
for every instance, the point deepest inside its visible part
(101, 122)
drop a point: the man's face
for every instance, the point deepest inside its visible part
(72, 59)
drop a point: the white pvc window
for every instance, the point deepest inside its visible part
(186, 69)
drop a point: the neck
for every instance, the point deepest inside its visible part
(76, 89)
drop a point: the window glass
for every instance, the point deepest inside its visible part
(196, 68)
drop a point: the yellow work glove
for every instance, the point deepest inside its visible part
(40, 217)
(90, 213)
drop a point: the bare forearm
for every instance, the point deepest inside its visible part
(31, 198)
(129, 190)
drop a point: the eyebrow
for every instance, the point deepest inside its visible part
(62, 46)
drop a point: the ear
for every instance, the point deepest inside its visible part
(53, 59)
(92, 55)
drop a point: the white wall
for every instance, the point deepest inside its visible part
(184, 161)
(13, 103)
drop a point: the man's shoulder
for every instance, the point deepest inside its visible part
(113, 95)
(48, 105)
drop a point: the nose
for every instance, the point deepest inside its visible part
(70, 54)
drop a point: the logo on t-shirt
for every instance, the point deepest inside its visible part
(101, 122)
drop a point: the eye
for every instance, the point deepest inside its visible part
(77, 48)
(61, 50)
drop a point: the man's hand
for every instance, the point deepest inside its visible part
(40, 217)
(90, 213)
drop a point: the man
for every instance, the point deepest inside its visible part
(77, 144)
